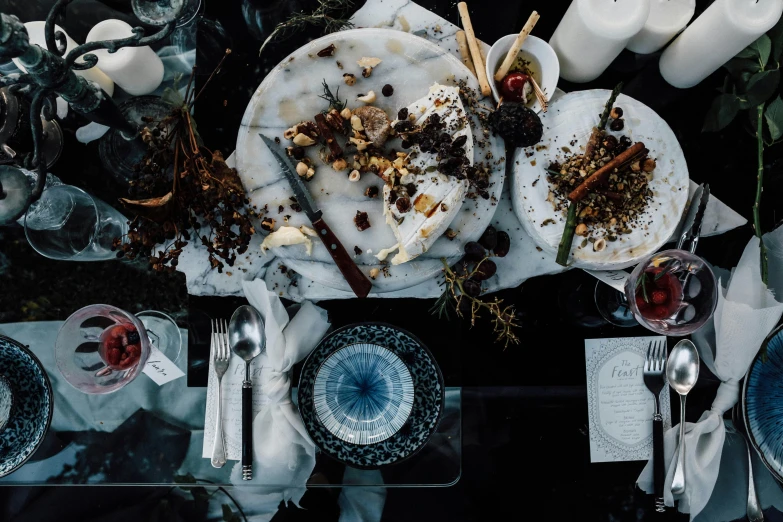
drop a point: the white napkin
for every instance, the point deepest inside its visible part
(282, 451)
(746, 312)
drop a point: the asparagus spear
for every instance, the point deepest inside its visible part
(570, 226)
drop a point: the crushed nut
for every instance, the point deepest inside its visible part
(290, 133)
(371, 192)
(327, 51)
(356, 123)
(367, 98)
(366, 72)
(599, 245)
(366, 61)
(340, 164)
(301, 169)
(374, 273)
(268, 224)
(581, 229)
(346, 114)
(310, 173)
(360, 143)
(635, 166)
(361, 220)
(349, 79)
(649, 165)
(354, 176)
(451, 234)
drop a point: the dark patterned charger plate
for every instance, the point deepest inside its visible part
(32, 407)
(427, 402)
(762, 403)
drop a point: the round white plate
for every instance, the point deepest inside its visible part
(289, 94)
(568, 123)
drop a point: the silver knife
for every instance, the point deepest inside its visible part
(356, 279)
(691, 227)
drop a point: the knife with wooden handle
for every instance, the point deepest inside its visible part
(356, 279)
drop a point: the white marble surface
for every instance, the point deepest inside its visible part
(523, 262)
(290, 94)
(568, 125)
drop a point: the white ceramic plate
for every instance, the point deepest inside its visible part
(289, 94)
(568, 123)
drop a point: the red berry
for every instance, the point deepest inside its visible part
(660, 312)
(113, 356)
(512, 87)
(641, 303)
(660, 297)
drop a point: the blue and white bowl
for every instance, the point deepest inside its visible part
(370, 395)
(31, 410)
(762, 403)
(363, 393)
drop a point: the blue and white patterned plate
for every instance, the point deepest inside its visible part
(32, 408)
(762, 403)
(363, 393)
(393, 352)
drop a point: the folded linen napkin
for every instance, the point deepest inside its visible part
(746, 312)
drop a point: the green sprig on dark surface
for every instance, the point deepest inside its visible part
(328, 15)
(332, 98)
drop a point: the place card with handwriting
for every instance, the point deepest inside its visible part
(620, 407)
(160, 368)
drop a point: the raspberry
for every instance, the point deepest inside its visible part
(660, 312)
(659, 297)
(114, 356)
(641, 303)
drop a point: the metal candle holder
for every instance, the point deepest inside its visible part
(50, 73)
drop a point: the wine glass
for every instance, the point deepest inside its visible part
(673, 292)
(101, 348)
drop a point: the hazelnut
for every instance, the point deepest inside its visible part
(354, 176)
(360, 143)
(616, 113)
(620, 186)
(301, 169)
(450, 234)
(387, 90)
(340, 164)
(268, 224)
(290, 133)
(346, 113)
(587, 211)
(612, 222)
(310, 173)
(349, 79)
(356, 123)
(617, 125)
(303, 140)
(367, 98)
(581, 229)
(366, 72)
(649, 165)
(599, 245)
(374, 273)
(635, 166)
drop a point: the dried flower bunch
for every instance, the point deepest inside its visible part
(205, 199)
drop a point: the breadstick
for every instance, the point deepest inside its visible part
(475, 51)
(464, 51)
(511, 56)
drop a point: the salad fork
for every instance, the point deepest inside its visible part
(221, 354)
(654, 366)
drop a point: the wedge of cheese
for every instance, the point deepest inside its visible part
(438, 197)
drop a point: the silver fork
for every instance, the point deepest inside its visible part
(654, 367)
(221, 354)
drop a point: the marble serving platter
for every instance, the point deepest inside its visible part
(567, 126)
(290, 94)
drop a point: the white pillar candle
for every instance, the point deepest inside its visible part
(593, 32)
(723, 30)
(138, 70)
(37, 35)
(667, 18)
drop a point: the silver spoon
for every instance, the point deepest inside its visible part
(682, 371)
(246, 335)
(753, 508)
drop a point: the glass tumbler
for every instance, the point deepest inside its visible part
(69, 224)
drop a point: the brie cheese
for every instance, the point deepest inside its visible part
(438, 197)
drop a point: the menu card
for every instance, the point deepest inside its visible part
(620, 406)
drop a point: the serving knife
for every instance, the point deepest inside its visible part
(356, 279)
(691, 227)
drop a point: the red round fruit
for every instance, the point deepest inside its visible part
(512, 87)
(113, 356)
(641, 303)
(660, 297)
(660, 312)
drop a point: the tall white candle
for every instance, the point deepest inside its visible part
(138, 70)
(593, 32)
(723, 30)
(667, 18)
(36, 33)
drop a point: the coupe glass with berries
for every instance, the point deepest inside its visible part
(101, 348)
(672, 292)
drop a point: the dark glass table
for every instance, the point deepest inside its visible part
(523, 421)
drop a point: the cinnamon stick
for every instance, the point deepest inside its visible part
(475, 49)
(600, 175)
(328, 136)
(464, 51)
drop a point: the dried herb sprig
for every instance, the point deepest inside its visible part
(327, 15)
(454, 297)
(333, 99)
(204, 194)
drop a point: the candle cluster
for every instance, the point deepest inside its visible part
(594, 32)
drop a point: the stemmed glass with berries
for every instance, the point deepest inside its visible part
(673, 292)
(101, 348)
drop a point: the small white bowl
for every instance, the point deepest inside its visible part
(540, 50)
